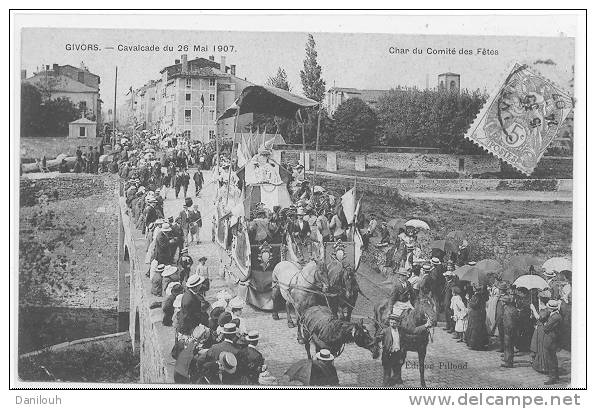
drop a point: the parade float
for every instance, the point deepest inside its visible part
(253, 197)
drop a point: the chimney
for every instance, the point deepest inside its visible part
(184, 63)
(222, 64)
(23, 74)
(55, 67)
(176, 61)
(233, 69)
(211, 58)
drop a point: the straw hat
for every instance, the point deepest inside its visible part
(228, 362)
(171, 287)
(237, 303)
(194, 280)
(168, 271)
(324, 355)
(166, 227)
(253, 335)
(229, 328)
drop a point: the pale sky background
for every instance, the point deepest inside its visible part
(348, 60)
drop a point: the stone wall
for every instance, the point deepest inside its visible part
(52, 147)
(411, 162)
(153, 365)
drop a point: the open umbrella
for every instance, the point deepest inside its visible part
(531, 281)
(419, 224)
(461, 271)
(557, 264)
(488, 265)
(474, 275)
(522, 264)
(447, 246)
(300, 371)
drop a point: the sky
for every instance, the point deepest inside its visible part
(347, 60)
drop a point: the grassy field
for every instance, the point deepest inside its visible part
(490, 225)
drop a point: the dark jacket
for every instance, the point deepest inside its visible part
(323, 374)
(223, 346)
(163, 248)
(191, 312)
(250, 363)
(552, 327)
(387, 343)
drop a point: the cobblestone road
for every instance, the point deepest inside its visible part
(448, 364)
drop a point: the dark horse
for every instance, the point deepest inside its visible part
(345, 290)
(319, 326)
(413, 334)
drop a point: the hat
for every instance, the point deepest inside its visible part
(166, 227)
(393, 316)
(169, 270)
(188, 202)
(223, 295)
(171, 286)
(448, 273)
(229, 328)
(224, 318)
(319, 189)
(300, 211)
(299, 166)
(178, 301)
(463, 244)
(324, 355)
(550, 274)
(220, 303)
(427, 267)
(171, 219)
(184, 251)
(203, 259)
(435, 260)
(264, 151)
(403, 272)
(553, 304)
(237, 303)
(253, 335)
(471, 263)
(228, 362)
(194, 280)
(410, 246)
(160, 268)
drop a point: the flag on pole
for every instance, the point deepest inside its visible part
(348, 203)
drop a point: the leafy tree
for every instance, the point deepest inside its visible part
(312, 83)
(56, 114)
(411, 117)
(30, 109)
(355, 124)
(279, 80)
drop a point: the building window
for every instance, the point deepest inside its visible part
(461, 164)
(83, 105)
(212, 82)
(453, 86)
(187, 114)
(188, 82)
(186, 134)
(188, 96)
(211, 97)
(82, 131)
(211, 134)
(212, 115)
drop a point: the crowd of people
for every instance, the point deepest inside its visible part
(213, 344)
(526, 321)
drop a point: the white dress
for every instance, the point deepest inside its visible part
(460, 313)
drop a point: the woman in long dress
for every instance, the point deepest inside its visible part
(477, 334)
(537, 347)
(491, 307)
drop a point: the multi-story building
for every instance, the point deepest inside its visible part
(337, 95)
(65, 81)
(188, 99)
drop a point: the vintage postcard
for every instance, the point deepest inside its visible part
(297, 208)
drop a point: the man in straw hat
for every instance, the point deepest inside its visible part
(230, 334)
(222, 370)
(250, 360)
(192, 312)
(552, 328)
(323, 372)
(163, 245)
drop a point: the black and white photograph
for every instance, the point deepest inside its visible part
(297, 208)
